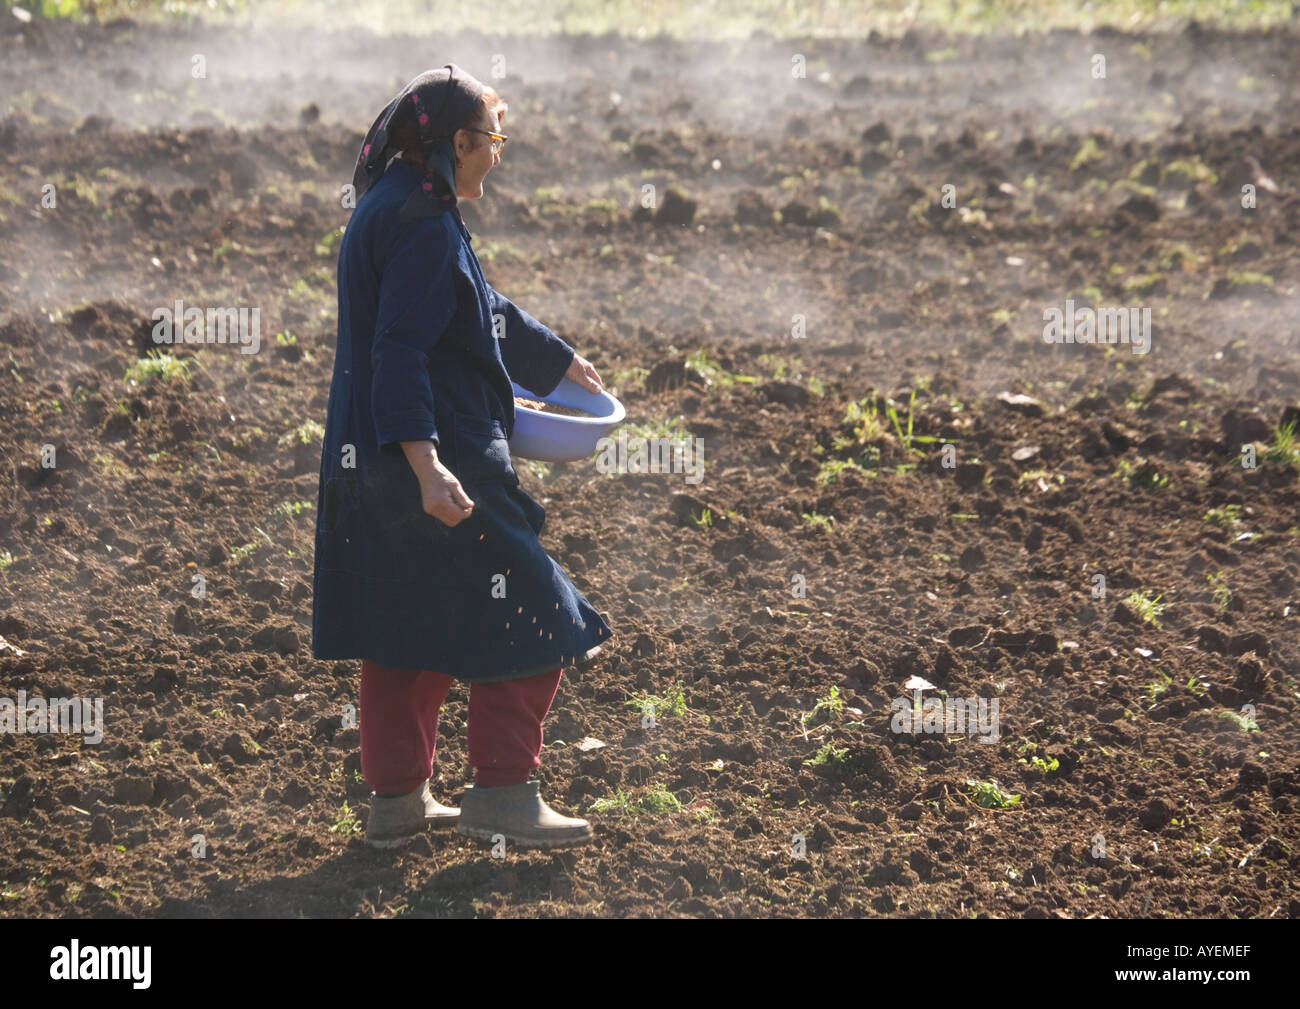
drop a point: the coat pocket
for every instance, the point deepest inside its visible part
(482, 453)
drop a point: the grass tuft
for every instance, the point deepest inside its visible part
(158, 366)
(1146, 607)
(655, 800)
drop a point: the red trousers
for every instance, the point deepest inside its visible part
(399, 726)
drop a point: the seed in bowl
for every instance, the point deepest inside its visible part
(563, 411)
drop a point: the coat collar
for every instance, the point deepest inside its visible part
(414, 174)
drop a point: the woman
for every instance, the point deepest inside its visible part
(428, 564)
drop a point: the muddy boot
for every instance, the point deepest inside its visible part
(518, 813)
(396, 819)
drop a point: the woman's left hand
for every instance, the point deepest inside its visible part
(582, 372)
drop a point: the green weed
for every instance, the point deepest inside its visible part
(158, 365)
(240, 553)
(1222, 594)
(1146, 607)
(1192, 170)
(630, 378)
(1157, 687)
(332, 238)
(1141, 474)
(1240, 722)
(346, 822)
(287, 510)
(712, 372)
(1046, 766)
(1041, 477)
(304, 434)
(1227, 517)
(830, 470)
(814, 520)
(989, 795)
(829, 755)
(671, 703)
(655, 800)
(825, 709)
(1088, 152)
(1250, 279)
(906, 438)
(1284, 447)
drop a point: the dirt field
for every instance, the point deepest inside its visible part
(1154, 753)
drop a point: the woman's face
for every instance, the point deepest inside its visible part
(476, 159)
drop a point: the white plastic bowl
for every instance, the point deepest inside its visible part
(552, 437)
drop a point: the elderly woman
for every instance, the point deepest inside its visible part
(428, 565)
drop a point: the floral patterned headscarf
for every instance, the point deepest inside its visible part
(438, 102)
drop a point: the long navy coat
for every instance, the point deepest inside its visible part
(417, 358)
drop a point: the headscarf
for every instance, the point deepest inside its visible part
(439, 102)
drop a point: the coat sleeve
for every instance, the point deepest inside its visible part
(417, 299)
(533, 355)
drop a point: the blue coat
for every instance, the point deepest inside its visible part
(417, 358)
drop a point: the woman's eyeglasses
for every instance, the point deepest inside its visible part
(498, 139)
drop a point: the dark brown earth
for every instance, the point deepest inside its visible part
(978, 578)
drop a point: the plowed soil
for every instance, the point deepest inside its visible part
(834, 557)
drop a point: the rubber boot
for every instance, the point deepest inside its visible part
(396, 819)
(518, 813)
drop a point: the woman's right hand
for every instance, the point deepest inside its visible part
(441, 493)
(443, 496)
